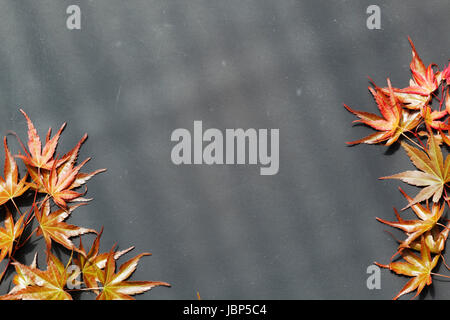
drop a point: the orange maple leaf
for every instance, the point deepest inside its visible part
(36, 156)
(10, 186)
(21, 279)
(420, 268)
(61, 179)
(90, 263)
(434, 174)
(431, 118)
(60, 182)
(423, 83)
(35, 284)
(424, 80)
(434, 239)
(9, 233)
(415, 228)
(114, 285)
(53, 227)
(393, 123)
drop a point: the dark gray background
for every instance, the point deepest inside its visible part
(140, 69)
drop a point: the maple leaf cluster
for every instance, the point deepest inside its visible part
(418, 118)
(53, 183)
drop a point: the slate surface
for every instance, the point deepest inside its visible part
(137, 70)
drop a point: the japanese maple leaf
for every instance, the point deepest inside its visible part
(10, 186)
(431, 118)
(53, 227)
(444, 137)
(21, 279)
(41, 285)
(60, 182)
(419, 268)
(68, 162)
(90, 263)
(114, 285)
(37, 156)
(434, 172)
(392, 124)
(408, 98)
(415, 228)
(434, 239)
(423, 83)
(9, 233)
(424, 80)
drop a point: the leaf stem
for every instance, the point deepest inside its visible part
(440, 275)
(412, 141)
(15, 205)
(443, 260)
(84, 289)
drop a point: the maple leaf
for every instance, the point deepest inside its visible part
(408, 99)
(394, 121)
(10, 186)
(53, 227)
(424, 81)
(67, 163)
(444, 138)
(60, 182)
(36, 284)
(36, 156)
(431, 118)
(419, 268)
(434, 172)
(58, 186)
(415, 228)
(434, 239)
(90, 263)
(9, 233)
(114, 285)
(21, 279)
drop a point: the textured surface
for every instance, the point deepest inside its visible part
(140, 69)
